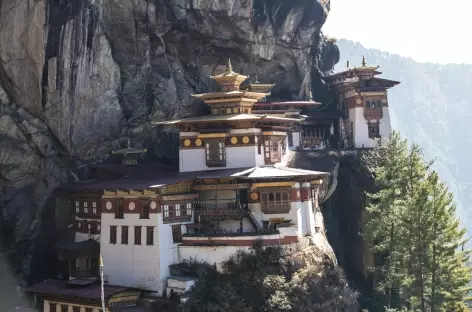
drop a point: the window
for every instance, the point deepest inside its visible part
(75, 309)
(177, 212)
(272, 150)
(64, 308)
(85, 207)
(177, 233)
(259, 146)
(113, 234)
(94, 207)
(290, 139)
(120, 210)
(168, 212)
(77, 206)
(144, 210)
(149, 235)
(374, 130)
(88, 310)
(276, 201)
(189, 209)
(124, 235)
(52, 307)
(215, 152)
(137, 235)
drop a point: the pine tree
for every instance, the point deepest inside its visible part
(450, 274)
(385, 210)
(414, 226)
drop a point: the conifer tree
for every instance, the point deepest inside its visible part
(413, 226)
(386, 207)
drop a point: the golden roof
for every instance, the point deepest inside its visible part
(229, 80)
(231, 94)
(226, 118)
(129, 150)
(229, 73)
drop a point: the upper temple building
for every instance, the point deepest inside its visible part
(232, 136)
(356, 116)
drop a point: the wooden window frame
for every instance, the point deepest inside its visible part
(269, 153)
(145, 210)
(290, 139)
(215, 152)
(120, 210)
(124, 235)
(177, 212)
(373, 129)
(138, 235)
(275, 201)
(149, 235)
(113, 234)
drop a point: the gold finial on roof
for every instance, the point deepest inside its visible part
(364, 63)
(347, 64)
(257, 80)
(129, 143)
(229, 68)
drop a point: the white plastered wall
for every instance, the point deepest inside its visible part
(236, 157)
(131, 265)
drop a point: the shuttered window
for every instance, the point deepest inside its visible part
(215, 151)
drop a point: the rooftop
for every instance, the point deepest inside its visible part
(158, 178)
(226, 118)
(61, 288)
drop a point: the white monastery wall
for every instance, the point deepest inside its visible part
(236, 157)
(385, 124)
(131, 265)
(167, 249)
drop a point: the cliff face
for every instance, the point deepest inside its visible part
(79, 76)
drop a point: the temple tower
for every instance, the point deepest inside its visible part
(362, 97)
(232, 136)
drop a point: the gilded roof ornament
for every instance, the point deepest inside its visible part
(364, 63)
(229, 68)
(347, 64)
(129, 150)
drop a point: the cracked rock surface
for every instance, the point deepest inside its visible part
(77, 77)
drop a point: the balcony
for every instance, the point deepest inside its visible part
(373, 113)
(219, 210)
(313, 143)
(271, 207)
(281, 236)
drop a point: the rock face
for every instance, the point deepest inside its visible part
(79, 76)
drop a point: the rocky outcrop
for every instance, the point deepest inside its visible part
(78, 77)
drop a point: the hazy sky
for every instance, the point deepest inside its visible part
(425, 30)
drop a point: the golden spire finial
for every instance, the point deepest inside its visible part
(229, 68)
(129, 143)
(347, 64)
(364, 63)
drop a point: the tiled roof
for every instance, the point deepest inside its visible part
(232, 117)
(154, 179)
(278, 172)
(60, 288)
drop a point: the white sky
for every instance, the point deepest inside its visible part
(438, 31)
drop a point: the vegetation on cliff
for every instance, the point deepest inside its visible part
(421, 264)
(259, 280)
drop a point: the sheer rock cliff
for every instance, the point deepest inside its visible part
(78, 77)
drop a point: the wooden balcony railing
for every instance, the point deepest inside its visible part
(271, 207)
(373, 113)
(220, 214)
